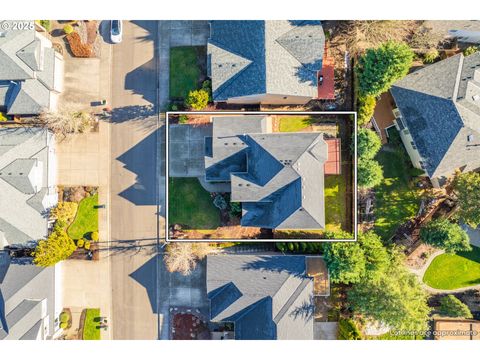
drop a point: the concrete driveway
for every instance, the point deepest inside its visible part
(187, 149)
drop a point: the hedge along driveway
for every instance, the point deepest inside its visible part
(185, 71)
(191, 205)
(86, 220)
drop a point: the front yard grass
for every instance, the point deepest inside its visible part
(454, 271)
(86, 220)
(294, 123)
(191, 205)
(184, 70)
(396, 199)
(91, 327)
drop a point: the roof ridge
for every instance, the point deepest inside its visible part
(303, 284)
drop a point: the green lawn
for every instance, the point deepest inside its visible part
(86, 219)
(191, 205)
(335, 204)
(396, 200)
(294, 123)
(184, 70)
(454, 271)
(91, 329)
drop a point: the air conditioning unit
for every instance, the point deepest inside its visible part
(396, 113)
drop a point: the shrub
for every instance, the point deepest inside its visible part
(366, 107)
(94, 236)
(63, 325)
(87, 245)
(183, 119)
(470, 50)
(368, 143)
(64, 317)
(62, 224)
(80, 243)
(197, 99)
(47, 25)
(59, 246)
(430, 56)
(453, 307)
(348, 330)
(443, 234)
(68, 29)
(65, 211)
(369, 173)
(3, 117)
(207, 86)
(235, 209)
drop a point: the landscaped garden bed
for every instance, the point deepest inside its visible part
(454, 271)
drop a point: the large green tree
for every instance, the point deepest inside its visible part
(452, 307)
(379, 68)
(467, 189)
(345, 261)
(368, 143)
(369, 173)
(445, 235)
(394, 297)
(59, 246)
(377, 258)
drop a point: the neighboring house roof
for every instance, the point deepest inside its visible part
(265, 57)
(266, 296)
(278, 177)
(28, 180)
(27, 73)
(440, 105)
(27, 297)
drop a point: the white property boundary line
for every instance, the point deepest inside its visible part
(220, 113)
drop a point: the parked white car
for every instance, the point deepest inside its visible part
(116, 31)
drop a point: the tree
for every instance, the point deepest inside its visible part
(445, 235)
(65, 211)
(182, 257)
(452, 307)
(376, 255)
(394, 298)
(345, 261)
(369, 173)
(197, 99)
(368, 143)
(467, 189)
(67, 120)
(366, 108)
(59, 246)
(470, 50)
(379, 68)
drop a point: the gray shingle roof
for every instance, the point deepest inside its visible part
(28, 71)
(437, 105)
(265, 57)
(278, 177)
(266, 296)
(27, 165)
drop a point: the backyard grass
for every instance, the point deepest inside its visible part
(294, 123)
(86, 220)
(184, 70)
(454, 271)
(335, 203)
(191, 205)
(91, 329)
(396, 200)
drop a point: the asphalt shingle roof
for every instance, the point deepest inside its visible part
(267, 297)
(265, 57)
(440, 115)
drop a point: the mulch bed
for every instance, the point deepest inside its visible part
(78, 48)
(82, 254)
(188, 325)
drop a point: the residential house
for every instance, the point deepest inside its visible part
(277, 177)
(438, 116)
(265, 62)
(29, 308)
(31, 71)
(263, 297)
(27, 184)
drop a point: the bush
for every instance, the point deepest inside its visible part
(59, 246)
(65, 211)
(207, 86)
(87, 245)
(47, 25)
(452, 307)
(470, 50)
(183, 119)
(63, 325)
(368, 143)
(197, 99)
(62, 224)
(430, 56)
(348, 330)
(80, 243)
(68, 29)
(366, 107)
(94, 236)
(369, 173)
(64, 317)
(235, 209)
(445, 235)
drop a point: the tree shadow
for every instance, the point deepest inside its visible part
(291, 264)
